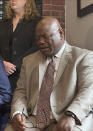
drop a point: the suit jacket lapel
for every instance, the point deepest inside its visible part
(37, 78)
(63, 63)
(42, 66)
(34, 92)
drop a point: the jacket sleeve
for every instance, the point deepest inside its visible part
(82, 104)
(5, 89)
(19, 102)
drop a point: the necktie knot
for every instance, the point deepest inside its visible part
(51, 65)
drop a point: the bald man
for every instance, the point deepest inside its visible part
(71, 99)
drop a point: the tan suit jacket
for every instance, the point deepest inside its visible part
(73, 86)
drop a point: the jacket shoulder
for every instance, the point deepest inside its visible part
(35, 57)
(78, 54)
(77, 51)
(5, 23)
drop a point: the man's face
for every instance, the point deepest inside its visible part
(49, 39)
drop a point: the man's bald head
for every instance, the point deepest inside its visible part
(50, 37)
(48, 22)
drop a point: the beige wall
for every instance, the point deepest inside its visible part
(79, 31)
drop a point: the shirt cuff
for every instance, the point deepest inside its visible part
(69, 113)
(17, 112)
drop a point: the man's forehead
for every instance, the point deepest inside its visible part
(47, 27)
(54, 26)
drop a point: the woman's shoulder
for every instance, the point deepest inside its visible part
(5, 21)
(35, 20)
(4, 24)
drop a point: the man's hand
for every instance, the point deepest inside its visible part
(66, 123)
(18, 123)
(9, 67)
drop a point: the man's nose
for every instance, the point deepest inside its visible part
(41, 40)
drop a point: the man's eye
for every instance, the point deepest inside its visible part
(45, 37)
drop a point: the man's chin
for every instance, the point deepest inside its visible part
(48, 54)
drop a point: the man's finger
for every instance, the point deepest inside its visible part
(21, 120)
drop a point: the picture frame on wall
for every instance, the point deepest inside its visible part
(84, 7)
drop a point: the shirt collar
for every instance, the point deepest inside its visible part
(58, 55)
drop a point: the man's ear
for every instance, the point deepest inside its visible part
(61, 32)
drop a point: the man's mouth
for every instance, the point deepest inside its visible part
(45, 49)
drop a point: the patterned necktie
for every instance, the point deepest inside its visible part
(43, 105)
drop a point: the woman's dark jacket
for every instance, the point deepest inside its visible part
(15, 45)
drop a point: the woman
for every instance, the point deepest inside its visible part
(17, 38)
